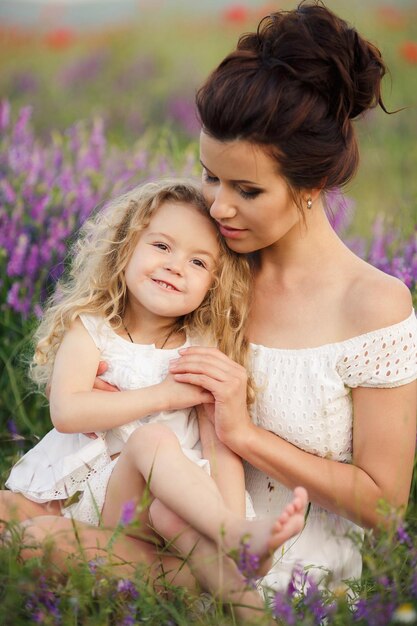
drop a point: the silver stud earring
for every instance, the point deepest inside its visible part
(309, 203)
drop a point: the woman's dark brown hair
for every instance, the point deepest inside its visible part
(294, 87)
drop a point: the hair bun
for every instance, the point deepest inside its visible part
(315, 47)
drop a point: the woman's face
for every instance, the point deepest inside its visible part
(249, 200)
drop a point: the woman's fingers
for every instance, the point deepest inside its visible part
(200, 380)
(102, 367)
(222, 390)
(208, 364)
(101, 385)
(213, 354)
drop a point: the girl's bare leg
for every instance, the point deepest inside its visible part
(15, 507)
(214, 571)
(153, 454)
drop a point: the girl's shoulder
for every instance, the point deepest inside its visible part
(98, 328)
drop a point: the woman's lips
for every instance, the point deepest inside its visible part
(230, 233)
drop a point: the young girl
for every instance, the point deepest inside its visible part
(150, 275)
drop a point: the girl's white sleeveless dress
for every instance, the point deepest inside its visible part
(75, 468)
(305, 398)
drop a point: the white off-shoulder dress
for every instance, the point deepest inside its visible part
(305, 398)
(63, 466)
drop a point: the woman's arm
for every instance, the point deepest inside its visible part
(383, 441)
(76, 407)
(225, 466)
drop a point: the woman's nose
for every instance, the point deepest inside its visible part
(222, 206)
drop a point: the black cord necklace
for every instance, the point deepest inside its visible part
(171, 332)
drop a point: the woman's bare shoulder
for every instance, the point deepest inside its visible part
(375, 300)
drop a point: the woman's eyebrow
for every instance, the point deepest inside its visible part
(240, 181)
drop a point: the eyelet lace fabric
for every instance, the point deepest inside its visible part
(305, 397)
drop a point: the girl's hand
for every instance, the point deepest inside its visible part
(226, 380)
(101, 385)
(180, 395)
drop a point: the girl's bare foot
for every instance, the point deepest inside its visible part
(261, 538)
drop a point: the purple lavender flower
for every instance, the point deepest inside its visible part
(128, 513)
(313, 600)
(376, 610)
(4, 114)
(182, 111)
(340, 209)
(403, 536)
(14, 432)
(15, 265)
(24, 83)
(83, 70)
(248, 563)
(127, 588)
(44, 604)
(19, 131)
(282, 609)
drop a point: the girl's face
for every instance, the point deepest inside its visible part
(172, 266)
(248, 199)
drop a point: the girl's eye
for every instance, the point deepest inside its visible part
(161, 246)
(198, 262)
(249, 194)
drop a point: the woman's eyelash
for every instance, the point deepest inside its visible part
(245, 194)
(208, 178)
(248, 194)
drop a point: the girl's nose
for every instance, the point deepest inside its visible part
(175, 265)
(222, 206)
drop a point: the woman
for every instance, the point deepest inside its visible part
(334, 356)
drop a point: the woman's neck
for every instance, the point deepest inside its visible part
(308, 249)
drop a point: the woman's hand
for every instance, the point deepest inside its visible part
(226, 380)
(99, 384)
(179, 395)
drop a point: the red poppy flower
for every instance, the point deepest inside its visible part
(236, 14)
(60, 38)
(392, 17)
(408, 51)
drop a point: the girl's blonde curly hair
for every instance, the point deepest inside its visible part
(96, 284)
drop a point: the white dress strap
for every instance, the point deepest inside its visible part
(383, 358)
(96, 328)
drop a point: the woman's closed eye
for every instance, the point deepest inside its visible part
(248, 194)
(209, 178)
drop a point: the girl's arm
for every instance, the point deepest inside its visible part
(383, 441)
(225, 466)
(76, 408)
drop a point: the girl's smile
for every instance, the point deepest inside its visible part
(164, 285)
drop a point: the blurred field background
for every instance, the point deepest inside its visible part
(99, 95)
